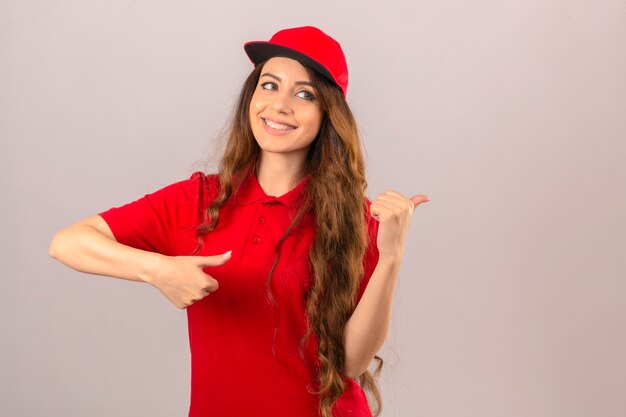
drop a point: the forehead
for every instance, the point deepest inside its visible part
(286, 67)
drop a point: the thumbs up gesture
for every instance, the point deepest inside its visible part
(394, 213)
(181, 279)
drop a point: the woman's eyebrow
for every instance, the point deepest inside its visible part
(269, 74)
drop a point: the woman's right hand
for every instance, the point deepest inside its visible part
(181, 279)
(89, 246)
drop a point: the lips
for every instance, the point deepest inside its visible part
(277, 125)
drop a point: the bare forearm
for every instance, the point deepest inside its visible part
(367, 328)
(85, 249)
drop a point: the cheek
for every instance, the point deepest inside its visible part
(252, 107)
(316, 121)
(256, 104)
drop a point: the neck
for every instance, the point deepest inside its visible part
(278, 175)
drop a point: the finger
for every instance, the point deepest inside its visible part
(212, 285)
(394, 193)
(419, 199)
(386, 204)
(392, 197)
(400, 200)
(396, 203)
(380, 208)
(214, 260)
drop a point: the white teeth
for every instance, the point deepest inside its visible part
(278, 126)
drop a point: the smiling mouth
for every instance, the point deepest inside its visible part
(276, 125)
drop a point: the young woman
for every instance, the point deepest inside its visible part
(286, 269)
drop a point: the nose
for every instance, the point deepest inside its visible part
(282, 102)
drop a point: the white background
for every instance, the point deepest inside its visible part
(510, 115)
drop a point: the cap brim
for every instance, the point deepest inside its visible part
(259, 51)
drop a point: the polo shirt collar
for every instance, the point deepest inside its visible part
(250, 191)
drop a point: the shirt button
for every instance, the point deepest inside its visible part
(261, 219)
(256, 239)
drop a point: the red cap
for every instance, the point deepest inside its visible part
(310, 46)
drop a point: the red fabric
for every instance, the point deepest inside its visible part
(239, 366)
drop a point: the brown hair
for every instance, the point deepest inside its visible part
(336, 166)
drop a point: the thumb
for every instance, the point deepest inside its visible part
(419, 199)
(214, 260)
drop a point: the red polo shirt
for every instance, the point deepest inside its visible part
(244, 350)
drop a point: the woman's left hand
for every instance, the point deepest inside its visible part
(394, 213)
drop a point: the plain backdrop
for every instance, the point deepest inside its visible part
(510, 115)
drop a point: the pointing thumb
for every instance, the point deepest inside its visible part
(419, 198)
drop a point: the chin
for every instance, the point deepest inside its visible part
(268, 146)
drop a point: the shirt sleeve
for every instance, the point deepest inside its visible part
(153, 221)
(370, 259)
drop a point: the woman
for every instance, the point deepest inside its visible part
(286, 270)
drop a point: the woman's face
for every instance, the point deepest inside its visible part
(285, 114)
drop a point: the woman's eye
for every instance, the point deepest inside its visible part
(268, 86)
(306, 95)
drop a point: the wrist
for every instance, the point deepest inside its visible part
(150, 266)
(389, 262)
(390, 258)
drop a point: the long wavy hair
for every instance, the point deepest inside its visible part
(336, 167)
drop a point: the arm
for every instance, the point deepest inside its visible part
(89, 246)
(367, 328)
(137, 242)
